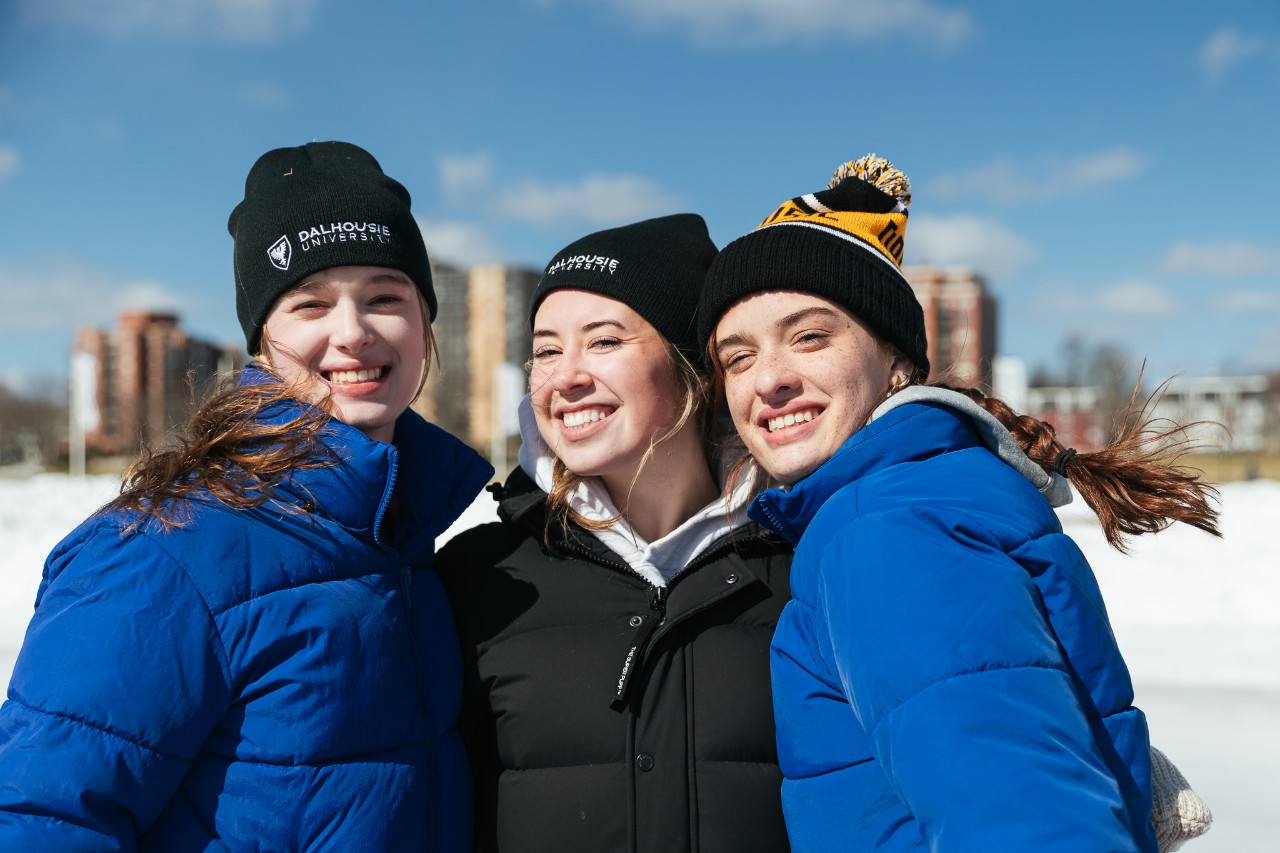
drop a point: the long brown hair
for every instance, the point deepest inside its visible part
(1133, 484)
(228, 452)
(694, 400)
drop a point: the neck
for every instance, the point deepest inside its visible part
(674, 484)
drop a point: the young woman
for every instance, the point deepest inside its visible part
(945, 677)
(249, 649)
(616, 622)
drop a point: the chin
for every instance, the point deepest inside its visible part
(788, 472)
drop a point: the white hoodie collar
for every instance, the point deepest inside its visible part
(658, 561)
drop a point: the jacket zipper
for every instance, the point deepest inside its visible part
(645, 626)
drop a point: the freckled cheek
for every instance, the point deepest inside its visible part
(739, 403)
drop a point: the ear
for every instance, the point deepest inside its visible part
(900, 371)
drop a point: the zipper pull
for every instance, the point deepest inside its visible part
(644, 626)
(658, 602)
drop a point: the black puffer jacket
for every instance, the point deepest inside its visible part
(602, 713)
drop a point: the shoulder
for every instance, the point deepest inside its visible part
(108, 541)
(969, 489)
(484, 545)
(422, 444)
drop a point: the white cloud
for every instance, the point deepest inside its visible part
(1225, 259)
(601, 200)
(267, 96)
(50, 296)
(597, 199)
(10, 161)
(458, 243)
(1005, 182)
(983, 245)
(230, 20)
(464, 176)
(1243, 303)
(751, 23)
(144, 295)
(1111, 310)
(1136, 298)
(1225, 48)
(63, 293)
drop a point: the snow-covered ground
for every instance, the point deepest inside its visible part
(1198, 619)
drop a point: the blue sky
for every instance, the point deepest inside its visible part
(1110, 168)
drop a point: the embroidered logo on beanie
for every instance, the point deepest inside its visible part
(280, 253)
(590, 263)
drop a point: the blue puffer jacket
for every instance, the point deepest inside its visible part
(946, 677)
(257, 680)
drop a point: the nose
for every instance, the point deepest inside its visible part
(775, 378)
(570, 373)
(352, 331)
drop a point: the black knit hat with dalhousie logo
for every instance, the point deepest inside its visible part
(316, 206)
(844, 244)
(655, 267)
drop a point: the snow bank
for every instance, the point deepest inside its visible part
(1188, 609)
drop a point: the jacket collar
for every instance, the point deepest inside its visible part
(940, 421)
(657, 562)
(439, 475)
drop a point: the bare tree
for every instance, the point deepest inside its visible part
(33, 428)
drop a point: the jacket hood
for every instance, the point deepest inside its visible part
(941, 421)
(997, 438)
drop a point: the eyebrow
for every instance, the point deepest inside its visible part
(398, 278)
(377, 278)
(783, 323)
(588, 327)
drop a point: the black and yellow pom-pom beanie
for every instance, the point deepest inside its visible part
(844, 243)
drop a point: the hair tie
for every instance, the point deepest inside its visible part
(1060, 464)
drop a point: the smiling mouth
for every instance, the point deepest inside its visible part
(352, 377)
(791, 419)
(583, 417)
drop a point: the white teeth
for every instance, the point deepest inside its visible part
(351, 376)
(783, 421)
(583, 417)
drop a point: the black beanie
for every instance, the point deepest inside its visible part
(320, 205)
(655, 267)
(843, 244)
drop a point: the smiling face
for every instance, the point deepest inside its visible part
(356, 335)
(801, 375)
(601, 384)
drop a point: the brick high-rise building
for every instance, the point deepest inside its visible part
(482, 334)
(144, 378)
(960, 320)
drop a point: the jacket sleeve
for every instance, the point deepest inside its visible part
(941, 645)
(119, 682)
